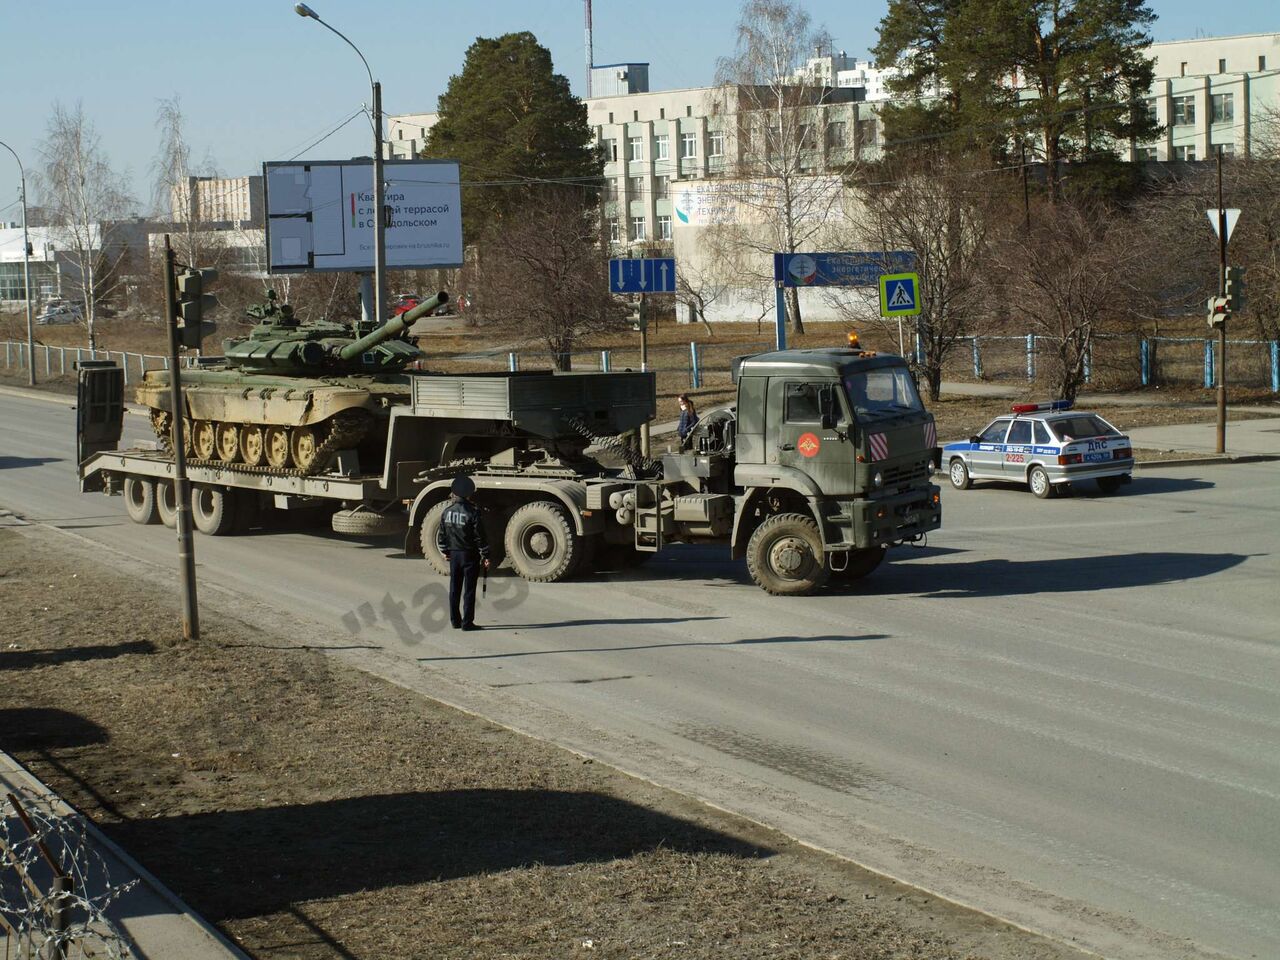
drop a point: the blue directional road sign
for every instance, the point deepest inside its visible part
(648, 275)
(850, 269)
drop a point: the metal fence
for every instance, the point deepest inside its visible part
(1112, 362)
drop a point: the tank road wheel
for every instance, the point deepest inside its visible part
(140, 500)
(541, 544)
(861, 563)
(167, 503)
(277, 443)
(1038, 479)
(188, 432)
(253, 445)
(204, 440)
(785, 556)
(228, 437)
(303, 444)
(430, 531)
(213, 510)
(162, 426)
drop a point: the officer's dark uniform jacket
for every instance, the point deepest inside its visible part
(461, 529)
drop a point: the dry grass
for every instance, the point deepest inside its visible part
(312, 811)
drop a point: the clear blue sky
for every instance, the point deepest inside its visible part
(258, 82)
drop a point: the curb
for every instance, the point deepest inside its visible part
(40, 788)
(1208, 460)
(69, 399)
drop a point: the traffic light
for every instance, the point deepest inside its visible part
(1217, 307)
(639, 316)
(1235, 290)
(192, 304)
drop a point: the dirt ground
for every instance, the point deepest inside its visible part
(312, 811)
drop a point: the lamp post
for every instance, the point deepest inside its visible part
(26, 269)
(379, 210)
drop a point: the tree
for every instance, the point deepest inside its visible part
(554, 283)
(941, 213)
(1068, 73)
(778, 106)
(174, 197)
(1074, 275)
(510, 119)
(81, 195)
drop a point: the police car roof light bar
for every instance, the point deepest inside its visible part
(1054, 405)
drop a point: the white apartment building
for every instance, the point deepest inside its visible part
(407, 134)
(236, 201)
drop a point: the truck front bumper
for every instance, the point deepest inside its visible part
(889, 520)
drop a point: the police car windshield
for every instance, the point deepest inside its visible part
(881, 393)
(1081, 426)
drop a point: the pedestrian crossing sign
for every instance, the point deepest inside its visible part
(899, 294)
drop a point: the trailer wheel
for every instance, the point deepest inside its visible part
(213, 510)
(430, 531)
(361, 522)
(140, 500)
(167, 503)
(861, 563)
(785, 556)
(541, 543)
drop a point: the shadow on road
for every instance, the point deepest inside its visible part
(246, 863)
(1011, 578)
(17, 463)
(829, 638)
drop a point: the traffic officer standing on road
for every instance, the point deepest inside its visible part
(463, 542)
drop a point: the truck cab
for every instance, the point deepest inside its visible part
(830, 455)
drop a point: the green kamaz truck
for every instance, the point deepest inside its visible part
(821, 465)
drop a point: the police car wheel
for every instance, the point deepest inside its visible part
(959, 475)
(1038, 479)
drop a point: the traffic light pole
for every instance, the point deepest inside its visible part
(644, 367)
(181, 489)
(1222, 330)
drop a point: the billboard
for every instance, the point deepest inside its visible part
(320, 215)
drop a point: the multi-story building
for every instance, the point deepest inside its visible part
(1212, 93)
(407, 134)
(234, 201)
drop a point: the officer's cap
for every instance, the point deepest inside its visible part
(462, 486)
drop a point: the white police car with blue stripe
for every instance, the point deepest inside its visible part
(1044, 445)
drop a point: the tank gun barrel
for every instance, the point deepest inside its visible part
(393, 327)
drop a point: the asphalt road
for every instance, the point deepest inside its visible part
(1064, 712)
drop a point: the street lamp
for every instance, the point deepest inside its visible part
(26, 269)
(379, 215)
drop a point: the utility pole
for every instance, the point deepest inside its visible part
(181, 489)
(1222, 330)
(1026, 193)
(644, 367)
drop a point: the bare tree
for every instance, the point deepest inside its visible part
(936, 210)
(554, 281)
(175, 196)
(1073, 276)
(81, 195)
(778, 108)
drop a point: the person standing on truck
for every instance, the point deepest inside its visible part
(688, 419)
(463, 542)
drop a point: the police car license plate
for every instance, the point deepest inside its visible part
(1097, 457)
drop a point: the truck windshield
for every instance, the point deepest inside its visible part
(881, 393)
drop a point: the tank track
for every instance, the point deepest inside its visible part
(346, 430)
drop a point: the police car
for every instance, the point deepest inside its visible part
(1043, 445)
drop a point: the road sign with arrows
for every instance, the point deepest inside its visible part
(647, 275)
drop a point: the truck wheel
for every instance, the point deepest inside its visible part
(367, 523)
(959, 475)
(140, 500)
(785, 556)
(430, 530)
(167, 503)
(213, 510)
(1038, 479)
(541, 543)
(861, 563)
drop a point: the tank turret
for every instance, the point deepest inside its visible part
(291, 395)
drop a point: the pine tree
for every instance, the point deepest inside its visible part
(512, 121)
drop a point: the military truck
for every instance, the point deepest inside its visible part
(821, 465)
